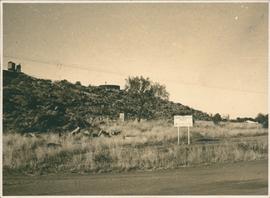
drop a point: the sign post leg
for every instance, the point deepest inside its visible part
(178, 135)
(188, 136)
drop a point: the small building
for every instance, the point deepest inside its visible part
(251, 122)
(110, 87)
(18, 68)
(11, 66)
(14, 68)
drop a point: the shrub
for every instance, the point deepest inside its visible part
(262, 119)
(217, 118)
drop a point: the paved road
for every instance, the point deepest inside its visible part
(244, 178)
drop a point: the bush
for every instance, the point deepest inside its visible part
(217, 118)
(262, 119)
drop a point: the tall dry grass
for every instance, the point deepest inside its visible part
(145, 145)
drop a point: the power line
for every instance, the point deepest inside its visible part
(84, 67)
(60, 65)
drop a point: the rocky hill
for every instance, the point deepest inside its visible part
(38, 105)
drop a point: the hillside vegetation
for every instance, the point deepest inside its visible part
(38, 105)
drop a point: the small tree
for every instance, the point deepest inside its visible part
(78, 83)
(217, 118)
(142, 95)
(262, 119)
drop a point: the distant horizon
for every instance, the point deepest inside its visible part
(211, 56)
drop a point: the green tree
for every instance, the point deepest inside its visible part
(78, 83)
(262, 119)
(142, 96)
(217, 118)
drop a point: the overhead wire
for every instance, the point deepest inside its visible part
(90, 68)
(56, 63)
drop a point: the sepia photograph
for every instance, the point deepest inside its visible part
(144, 98)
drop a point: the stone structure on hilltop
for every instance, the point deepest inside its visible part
(14, 68)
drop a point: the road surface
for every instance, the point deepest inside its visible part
(242, 178)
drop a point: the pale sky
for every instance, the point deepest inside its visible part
(211, 56)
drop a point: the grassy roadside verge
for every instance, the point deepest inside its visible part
(152, 146)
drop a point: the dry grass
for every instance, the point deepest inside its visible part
(145, 145)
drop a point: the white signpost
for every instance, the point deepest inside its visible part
(183, 121)
(122, 117)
